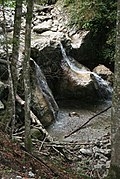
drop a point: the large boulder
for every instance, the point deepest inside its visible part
(80, 83)
(76, 81)
(44, 26)
(46, 52)
(42, 104)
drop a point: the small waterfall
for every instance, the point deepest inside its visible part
(65, 57)
(104, 89)
(73, 64)
(102, 86)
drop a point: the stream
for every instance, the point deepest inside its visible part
(73, 114)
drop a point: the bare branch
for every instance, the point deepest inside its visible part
(83, 125)
(4, 61)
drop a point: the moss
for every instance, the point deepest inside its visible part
(114, 172)
(36, 134)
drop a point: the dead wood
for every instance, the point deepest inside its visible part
(39, 161)
(83, 125)
(35, 119)
(40, 127)
(4, 61)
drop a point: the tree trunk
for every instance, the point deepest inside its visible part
(11, 99)
(114, 172)
(15, 52)
(26, 70)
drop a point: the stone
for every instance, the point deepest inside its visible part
(77, 39)
(42, 101)
(104, 72)
(108, 164)
(76, 81)
(86, 151)
(36, 134)
(42, 27)
(1, 105)
(108, 145)
(19, 177)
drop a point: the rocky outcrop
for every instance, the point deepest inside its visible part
(42, 103)
(49, 28)
(77, 85)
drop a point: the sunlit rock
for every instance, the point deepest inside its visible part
(1, 105)
(104, 72)
(42, 27)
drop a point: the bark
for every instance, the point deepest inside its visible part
(11, 102)
(15, 52)
(16, 40)
(114, 172)
(26, 70)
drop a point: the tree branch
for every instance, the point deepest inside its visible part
(4, 61)
(83, 125)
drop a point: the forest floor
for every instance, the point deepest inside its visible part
(67, 159)
(49, 161)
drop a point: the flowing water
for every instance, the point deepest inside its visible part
(73, 113)
(102, 86)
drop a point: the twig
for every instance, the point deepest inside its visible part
(57, 143)
(42, 144)
(4, 61)
(83, 125)
(60, 151)
(39, 160)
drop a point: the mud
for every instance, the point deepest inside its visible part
(73, 114)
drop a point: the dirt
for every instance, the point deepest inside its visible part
(45, 164)
(61, 159)
(73, 114)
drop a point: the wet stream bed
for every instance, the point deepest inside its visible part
(73, 114)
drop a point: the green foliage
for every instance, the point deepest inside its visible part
(98, 16)
(88, 14)
(8, 3)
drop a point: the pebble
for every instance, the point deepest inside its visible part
(86, 151)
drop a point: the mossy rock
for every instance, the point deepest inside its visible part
(36, 134)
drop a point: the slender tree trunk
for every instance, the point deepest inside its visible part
(11, 102)
(15, 52)
(26, 69)
(114, 172)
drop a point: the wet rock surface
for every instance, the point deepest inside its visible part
(42, 102)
